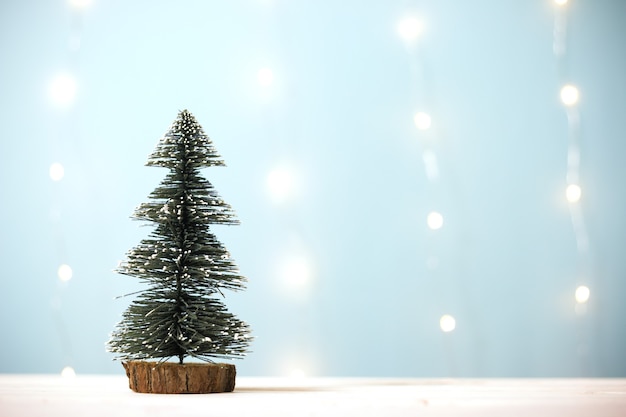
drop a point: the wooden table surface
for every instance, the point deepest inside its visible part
(95, 395)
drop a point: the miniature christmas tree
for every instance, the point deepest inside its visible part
(180, 313)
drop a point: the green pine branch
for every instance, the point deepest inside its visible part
(182, 263)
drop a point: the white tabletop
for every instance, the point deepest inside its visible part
(91, 396)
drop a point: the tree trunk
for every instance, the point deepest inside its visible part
(174, 378)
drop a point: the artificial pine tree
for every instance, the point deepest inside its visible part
(180, 314)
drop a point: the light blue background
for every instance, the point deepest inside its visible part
(340, 114)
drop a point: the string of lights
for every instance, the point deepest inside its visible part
(410, 29)
(62, 92)
(570, 97)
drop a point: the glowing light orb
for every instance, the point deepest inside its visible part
(68, 372)
(573, 192)
(280, 184)
(561, 2)
(62, 90)
(422, 121)
(297, 272)
(447, 323)
(569, 95)
(80, 4)
(434, 220)
(297, 373)
(582, 294)
(64, 272)
(409, 28)
(57, 171)
(265, 76)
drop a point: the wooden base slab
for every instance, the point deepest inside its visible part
(173, 378)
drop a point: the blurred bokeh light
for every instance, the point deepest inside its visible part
(322, 111)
